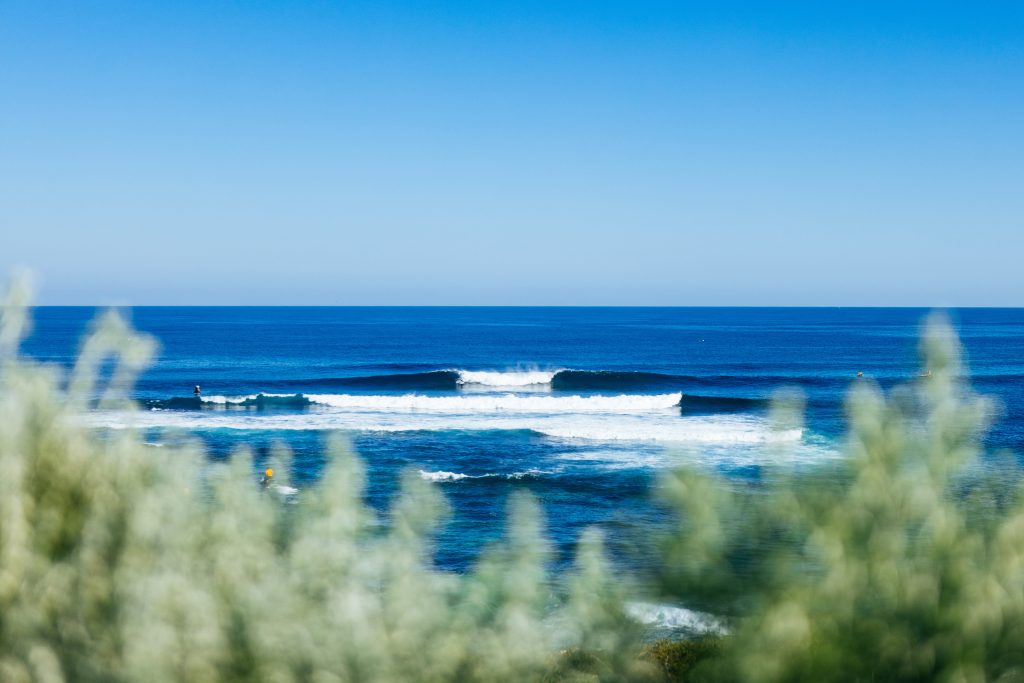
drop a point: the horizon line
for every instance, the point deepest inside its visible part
(664, 306)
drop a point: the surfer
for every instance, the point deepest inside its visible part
(268, 474)
(197, 392)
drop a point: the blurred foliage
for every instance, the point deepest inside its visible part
(677, 659)
(122, 563)
(903, 563)
(119, 562)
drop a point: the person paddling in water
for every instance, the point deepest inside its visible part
(267, 479)
(197, 391)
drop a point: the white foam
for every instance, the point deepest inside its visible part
(497, 403)
(676, 618)
(217, 399)
(511, 378)
(442, 476)
(225, 400)
(456, 476)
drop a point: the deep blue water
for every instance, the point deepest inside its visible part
(582, 406)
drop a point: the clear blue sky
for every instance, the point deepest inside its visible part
(514, 152)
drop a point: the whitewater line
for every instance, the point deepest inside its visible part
(502, 403)
(491, 403)
(511, 378)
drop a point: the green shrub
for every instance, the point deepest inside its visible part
(903, 563)
(676, 659)
(119, 562)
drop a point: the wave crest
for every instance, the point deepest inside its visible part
(676, 618)
(512, 378)
(443, 476)
(219, 401)
(500, 403)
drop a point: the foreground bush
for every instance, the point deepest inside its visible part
(119, 562)
(677, 659)
(122, 563)
(903, 563)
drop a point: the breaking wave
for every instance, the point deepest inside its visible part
(688, 404)
(216, 401)
(260, 400)
(498, 403)
(560, 380)
(515, 378)
(441, 379)
(488, 403)
(676, 618)
(442, 476)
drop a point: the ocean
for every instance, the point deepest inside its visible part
(584, 407)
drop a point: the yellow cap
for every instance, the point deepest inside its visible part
(270, 472)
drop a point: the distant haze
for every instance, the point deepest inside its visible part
(860, 153)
